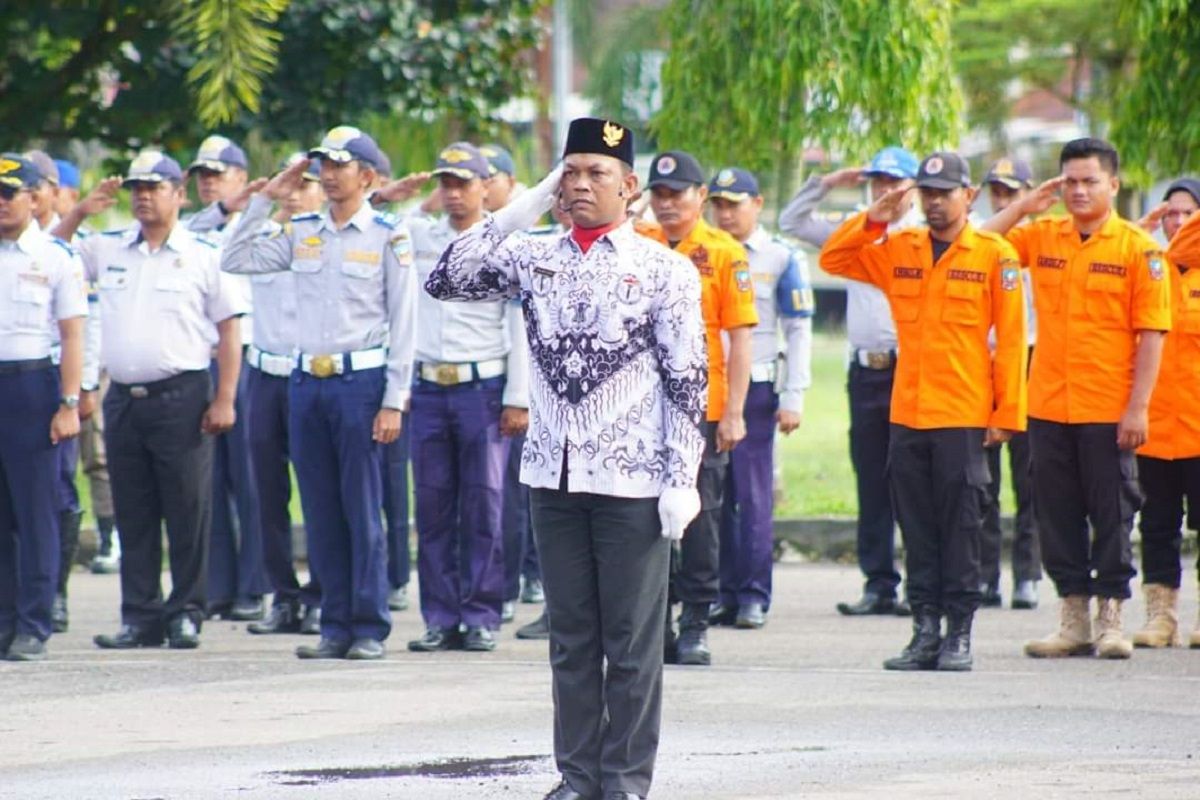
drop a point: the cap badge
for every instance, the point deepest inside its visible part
(1004, 168)
(146, 161)
(341, 135)
(7, 165)
(725, 177)
(934, 165)
(612, 134)
(665, 166)
(454, 156)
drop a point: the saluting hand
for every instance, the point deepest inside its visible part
(890, 205)
(1043, 197)
(286, 182)
(101, 197)
(387, 426)
(843, 178)
(1153, 219)
(218, 417)
(401, 189)
(242, 198)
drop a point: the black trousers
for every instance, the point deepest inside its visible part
(1085, 479)
(160, 465)
(1026, 552)
(870, 392)
(696, 572)
(604, 568)
(1166, 485)
(939, 478)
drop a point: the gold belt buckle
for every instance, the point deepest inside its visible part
(447, 374)
(322, 366)
(879, 360)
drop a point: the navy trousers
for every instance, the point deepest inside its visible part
(870, 392)
(29, 501)
(520, 551)
(330, 421)
(395, 507)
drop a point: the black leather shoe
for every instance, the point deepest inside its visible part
(955, 655)
(621, 796)
(1025, 594)
(751, 616)
(398, 599)
(508, 611)
(722, 615)
(26, 648)
(130, 637)
(282, 618)
(990, 596)
(532, 592)
(325, 648)
(218, 610)
(6, 639)
(922, 651)
(365, 650)
(437, 640)
(310, 625)
(670, 641)
(479, 640)
(869, 603)
(693, 636)
(247, 610)
(182, 633)
(59, 618)
(563, 791)
(538, 629)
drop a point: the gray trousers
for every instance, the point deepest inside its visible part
(604, 568)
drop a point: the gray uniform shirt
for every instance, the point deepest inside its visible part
(41, 284)
(769, 259)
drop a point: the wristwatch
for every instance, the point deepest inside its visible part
(70, 400)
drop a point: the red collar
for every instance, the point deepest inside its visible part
(586, 237)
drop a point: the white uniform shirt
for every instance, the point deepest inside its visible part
(619, 366)
(158, 310)
(355, 289)
(769, 260)
(456, 333)
(40, 285)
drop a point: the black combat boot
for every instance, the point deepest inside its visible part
(68, 539)
(693, 635)
(922, 651)
(955, 655)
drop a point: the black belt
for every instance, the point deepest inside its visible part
(30, 365)
(139, 391)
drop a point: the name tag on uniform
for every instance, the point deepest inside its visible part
(113, 277)
(35, 278)
(304, 253)
(967, 275)
(362, 256)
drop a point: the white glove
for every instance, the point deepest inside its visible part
(529, 206)
(676, 509)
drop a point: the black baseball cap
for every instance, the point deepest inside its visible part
(943, 170)
(676, 170)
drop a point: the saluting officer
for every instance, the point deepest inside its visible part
(355, 295)
(40, 291)
(164, 305)
(948, 285)
(784, 301)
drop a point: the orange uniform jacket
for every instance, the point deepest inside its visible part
(727, 295)
(1174, 412)
(946, 376)
(1092, 299)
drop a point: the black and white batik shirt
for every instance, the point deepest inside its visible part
(616, 338)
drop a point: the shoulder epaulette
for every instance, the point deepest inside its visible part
(202, 239)
(386, 220)
(64, 245)
(114, 232)
(306, 216)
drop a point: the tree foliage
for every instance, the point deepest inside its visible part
(1158, 118)
(754, 81)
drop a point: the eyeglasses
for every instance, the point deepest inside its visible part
(9, 192)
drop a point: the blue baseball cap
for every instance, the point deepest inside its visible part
(464, 161)
(346, 143)
(153, 166)
(1011, 172)
(500, 159)
(18, 172)
(734, 183)
(313, 173)
(68, 174)
(218, 154)
(894, 162)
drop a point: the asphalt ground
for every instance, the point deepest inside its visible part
(798, 709)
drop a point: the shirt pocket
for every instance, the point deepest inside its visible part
(1107, 300)
(963, 303)
(32, 299)
(113, 281)
(360, 269)
(905, 296)
(264, 278)
(306, 265)
(1047, 288)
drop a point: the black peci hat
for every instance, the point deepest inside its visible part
(600, 136)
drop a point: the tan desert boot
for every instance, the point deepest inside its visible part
(1074, 634)
(1110, 643)
(1162, 617)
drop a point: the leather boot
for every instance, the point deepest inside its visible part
(955, 655)
(922, 650)
(69, 522)
(693, 635)
(1162, 617)
(670, 641)
(1074, 634)
(1110, 643)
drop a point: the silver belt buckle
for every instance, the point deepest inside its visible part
(139, 392)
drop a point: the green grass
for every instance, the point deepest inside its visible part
(814, 462)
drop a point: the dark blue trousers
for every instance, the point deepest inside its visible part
(395, 507)
(235, 555)
(870, 393)
(267, 433)
(29, 501)
(458, 465)
(68, 462)
(341, 491)
(747, 530)
(520, 551)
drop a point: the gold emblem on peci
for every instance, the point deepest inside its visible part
(612, 134)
